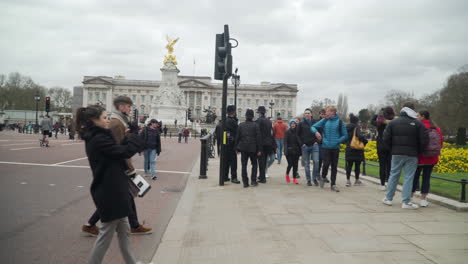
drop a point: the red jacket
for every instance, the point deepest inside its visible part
(430, 160)
(279, 129)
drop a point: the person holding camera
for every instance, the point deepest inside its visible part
(110, 185)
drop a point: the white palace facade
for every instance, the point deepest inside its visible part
(200, 93)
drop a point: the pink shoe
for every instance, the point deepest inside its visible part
(295, 181)
(287, 178)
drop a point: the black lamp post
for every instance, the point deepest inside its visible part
(271, 108)
(236, 82)
(37, 98)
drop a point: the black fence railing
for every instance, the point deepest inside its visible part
(463, 182)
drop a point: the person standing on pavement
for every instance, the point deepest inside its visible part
(292, 151)
(429, 158)
(186, 134)
(109, 188)
(384, 154)
(152, 138)
(309, 146)
(231, 156)
(119, 127)
(407, 137)
(354, 156)
(56, 129)
(279, 129)
(46, 125)
(320, 130)
(266, 141)
(249, 144)
(165, 131)
(180, 131)
(334, 133)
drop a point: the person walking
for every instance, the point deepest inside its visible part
(309, 147)
(186, 134)
(152, 138)
(119, 127)
(292, 151)
(56, 129)
(279, 130)
(165, 131)
(385, 156)
(46, 125)
(334, 133)
(354, 156)
(231, 156)
(249, 144)
(109, 188)
(406, 137)
(180, 131)
(429, 158)
(267, 142)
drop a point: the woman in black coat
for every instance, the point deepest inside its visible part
(292, 151)
(354, 156)
(110, 185)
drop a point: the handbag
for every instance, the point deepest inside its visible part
(138, 186)
(356, 143)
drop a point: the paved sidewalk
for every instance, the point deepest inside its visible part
(286, 223)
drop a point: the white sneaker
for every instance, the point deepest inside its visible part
(267, 176)
(387, 202)
(383, 187)
(409, 205)
(424, 203)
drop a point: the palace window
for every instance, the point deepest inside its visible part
(283, 102)
(90, 96)
(239, 102)
(248, 102)
(257, 102)
(265, 102)
(213, 100)
(143, 98)
(134, 98)
(231, 101)
(289, 103)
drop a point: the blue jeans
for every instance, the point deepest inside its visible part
(150, 159)
(279, 149)
(270, 160)
(409, 165)
(307, 153)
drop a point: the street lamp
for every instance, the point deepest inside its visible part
(271, 108)
(236, 82)
(37, 98)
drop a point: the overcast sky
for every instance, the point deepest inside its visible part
(360, 48)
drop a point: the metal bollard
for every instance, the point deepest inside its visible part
(364, 167)
(204, 157)
(463, 190)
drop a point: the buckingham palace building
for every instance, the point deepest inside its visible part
(200, 93)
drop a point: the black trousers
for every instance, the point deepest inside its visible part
(426, 178)
(132, 217)
(385, 162)
(293, 162)
(349, 167)
(262, 161)
(231, 157)
(245, 156)
(330, 158)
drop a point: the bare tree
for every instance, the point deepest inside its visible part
(342, 106)
(60, 98)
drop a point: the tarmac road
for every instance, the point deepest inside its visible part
(45, 199)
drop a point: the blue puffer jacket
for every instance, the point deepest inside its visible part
(331, 136)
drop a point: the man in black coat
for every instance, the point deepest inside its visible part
(384, 154)
(406, 137)
(231, 129)
(267, 142)
(248, 142)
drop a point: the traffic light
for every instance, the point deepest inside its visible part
(47, 104)
(223, 57)
(189, 114)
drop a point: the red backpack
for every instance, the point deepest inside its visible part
(434, 146)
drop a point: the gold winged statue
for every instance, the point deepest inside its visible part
(170, 50)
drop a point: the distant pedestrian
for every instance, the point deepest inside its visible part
(248, 143)
(309, 147)
(385, 156)
(279, 129)
(109, 188)
(152, 138)
(334, 133)
(56, 129)
(46, 126)
(354, 156)
(180, 132)
(407, 138)
(292, 151)
(165, 131)
(186, 134)
(429, 158)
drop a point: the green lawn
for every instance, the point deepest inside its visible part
(444, 188)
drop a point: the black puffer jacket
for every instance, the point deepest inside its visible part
(248, 138)
(265, 130)
(304, 134)
(380, 123)
(291, 143)
(354, 154)
(110, 186)
(406, 136)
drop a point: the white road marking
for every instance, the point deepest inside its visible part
(25, 148)
(18, 144)
(177, 172)
(60, 163)
(72, 144)
(24, 183)
(80, 186)
(52, 184)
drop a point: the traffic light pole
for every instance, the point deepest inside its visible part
(224, 135)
